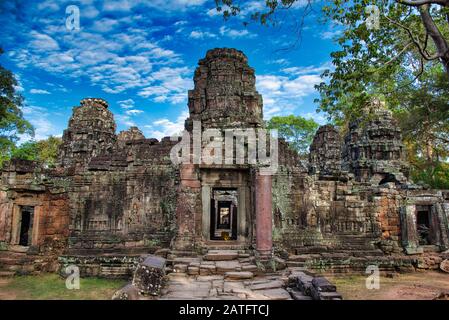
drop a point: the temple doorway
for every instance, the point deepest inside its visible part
(223, 219)
(423, 225)
(26, 224)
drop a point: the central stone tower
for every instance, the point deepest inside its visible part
(229, 203)
(225, 92)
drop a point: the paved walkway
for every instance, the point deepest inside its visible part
(218, 287)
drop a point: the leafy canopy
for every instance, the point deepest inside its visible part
(296, 130)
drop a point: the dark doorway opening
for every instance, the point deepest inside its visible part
(423, 224)
(223, 215)
(26, 223)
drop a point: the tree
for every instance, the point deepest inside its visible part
(404, 62)
(12, 122)
(405, 26)
(44, 152)
(296, 130)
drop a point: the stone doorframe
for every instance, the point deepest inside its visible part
(16, 220)
(439, 221)
(242, 214)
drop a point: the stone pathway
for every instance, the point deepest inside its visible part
(223, 287)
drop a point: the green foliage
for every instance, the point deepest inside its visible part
(373, 62)
(43, 151)
(12, 123)
(435, 175)
(296, 130)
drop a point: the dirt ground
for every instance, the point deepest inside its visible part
(411, 286)
(6, 294)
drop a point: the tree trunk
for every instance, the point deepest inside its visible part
(433, 31)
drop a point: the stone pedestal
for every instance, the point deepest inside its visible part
(264, 241)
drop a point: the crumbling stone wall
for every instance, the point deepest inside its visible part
(23, 183)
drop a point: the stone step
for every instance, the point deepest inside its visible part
(7, 274)
(221, 255)
(238, 275)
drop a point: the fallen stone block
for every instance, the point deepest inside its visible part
(127, 292)
(304, 283)
(149, 275)
(298, 295)
(444, 266)
(323, 285)
(329, 296)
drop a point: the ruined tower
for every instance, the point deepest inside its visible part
(225, 92)
(91, 132)
(373, 148)
(325, 152)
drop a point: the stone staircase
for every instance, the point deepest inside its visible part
(12, 262)
(232, 264)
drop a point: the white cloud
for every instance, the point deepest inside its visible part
(167, 128)
(126, 104)
(132, 112)
(213, 12)
(283, 94)
(325, 35)
(104, 25)
(162, 5)
(180, 23)
(201, 35)
(39, 91)
(125, 120)
(48, 5)
(39, 118)
(233, 33)
(90, 12)
(169, 84)
(319, 118)
(43, 42)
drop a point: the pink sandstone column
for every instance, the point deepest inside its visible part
(264, 241)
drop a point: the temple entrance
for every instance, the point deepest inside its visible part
(26, 223)
(223, 219)
(423, 224)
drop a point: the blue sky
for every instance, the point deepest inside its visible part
(140, 56)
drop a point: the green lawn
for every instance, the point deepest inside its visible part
(52, 287)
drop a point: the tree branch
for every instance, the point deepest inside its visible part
(417, 3)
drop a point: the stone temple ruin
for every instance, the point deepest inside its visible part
(113, 197)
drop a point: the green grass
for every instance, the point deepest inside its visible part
(52, 287)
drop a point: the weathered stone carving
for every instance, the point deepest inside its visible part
(373, 148)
